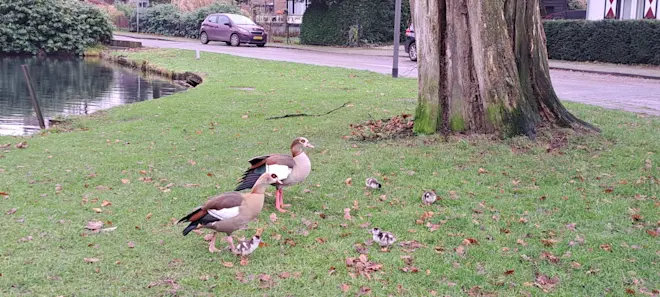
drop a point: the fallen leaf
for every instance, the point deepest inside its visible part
(131, 245)
(549, 257)
(97, 210)
(148, 216)
(4, 194)
(58, 188)
(106, 203)
(208, 237)
(460, 250)
(191, 185)
(364, 290)
(100, 188)
(244, 260)
(191, 162)
(321, 240)
(228, 264)
(571, 226)
(606, 247)
(125, 181)
(273, 217)
(6, 145)
(204, 277)
(509, 272)
(549, 242)
(355, 205)
(284, 275)
(653, 233)
(345, 287)
(244, 116)
(94, 226)
(365, 225)
(349, 181)
(575, 265)
(25, 239)
(332, 270)
(91, 260)
(21, 145)
(546, 283)
(482, 171)
(347, 214)
(11, 211)
(469, 241)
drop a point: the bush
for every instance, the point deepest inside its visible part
(51, 26)
(352, 22)
(609, 41)
(168, 20)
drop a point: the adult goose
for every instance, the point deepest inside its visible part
(230, 211)
(291, 169)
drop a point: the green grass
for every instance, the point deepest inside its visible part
(205, 125)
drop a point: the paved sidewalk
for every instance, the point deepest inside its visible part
(648, 72)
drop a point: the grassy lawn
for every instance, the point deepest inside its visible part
(576, 221)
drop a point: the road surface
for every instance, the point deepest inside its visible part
(612, 92)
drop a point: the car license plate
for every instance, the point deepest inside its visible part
(258, 38)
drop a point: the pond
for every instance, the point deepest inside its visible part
(71, 86)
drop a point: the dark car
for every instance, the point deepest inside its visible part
(409, 45)
(233, 29)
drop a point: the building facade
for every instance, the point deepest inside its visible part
(622, 9)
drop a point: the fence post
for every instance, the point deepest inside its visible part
(33, 97)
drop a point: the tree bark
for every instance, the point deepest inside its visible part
(483, 68)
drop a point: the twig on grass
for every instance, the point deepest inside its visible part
(307, 115)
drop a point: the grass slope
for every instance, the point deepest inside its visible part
(521, 211)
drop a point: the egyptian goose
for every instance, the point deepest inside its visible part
(230, 211)
(384, 239)
(429, 197)
(246, 247)
(372, 183)
(291, 169)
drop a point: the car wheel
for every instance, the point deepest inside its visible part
(228, 43)
(261, 45)
(204, 38)
(234, 41)
(412, 52)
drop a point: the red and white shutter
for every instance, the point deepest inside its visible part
(650, 9)
(611, 8)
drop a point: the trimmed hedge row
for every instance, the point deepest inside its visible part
(51, 27)
(609, 41)
(166, 19)
(351, 22)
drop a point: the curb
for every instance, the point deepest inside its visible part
(145, 37)
(644, 76)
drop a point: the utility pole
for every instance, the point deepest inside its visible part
(137, 16)
(397, 37)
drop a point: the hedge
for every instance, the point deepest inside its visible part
(51, 26)
(609, 41)
(166, 19)
(351, 22)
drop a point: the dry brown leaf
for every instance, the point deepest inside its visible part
(273, 217)
(106, 203)
(131, 245)
(11, 211)
(228, 264)
(94, 226)
(349, 181)
(482, 171)
(148, 216)
(509, 272)
(191, 185)
(355, 205)
(606, 247)
(125, 181)
(546, 283)
(653, 233)
(347, 213)
(21, 145)
(284, 275)
(97, 210)
(345, 287)
(460, 250)
(91, 260)
(191, 162)
(245, 261)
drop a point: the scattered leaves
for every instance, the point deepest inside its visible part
(362, 266)
(546, 283)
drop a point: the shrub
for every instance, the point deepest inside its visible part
(51, 26)
(351, 22)
(609, 41)
(168, 20)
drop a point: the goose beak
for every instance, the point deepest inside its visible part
(309, 145)
(279, 182)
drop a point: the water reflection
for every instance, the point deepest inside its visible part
(69, 87)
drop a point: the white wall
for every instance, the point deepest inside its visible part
(595, 10)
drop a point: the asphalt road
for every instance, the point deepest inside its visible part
(612, 92)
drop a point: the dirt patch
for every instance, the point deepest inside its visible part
(400, 126)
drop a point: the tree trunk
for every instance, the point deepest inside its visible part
(483, 68)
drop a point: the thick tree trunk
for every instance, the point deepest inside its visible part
(483, 68)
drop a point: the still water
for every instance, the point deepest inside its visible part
(69, 87)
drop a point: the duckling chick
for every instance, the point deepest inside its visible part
(246, 247)
(372, 183)
(384, 239)
(429, 197)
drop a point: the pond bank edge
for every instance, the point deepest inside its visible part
(185, 79)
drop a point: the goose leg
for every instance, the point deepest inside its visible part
(279, 201)
(212, 248)
(231, 242)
